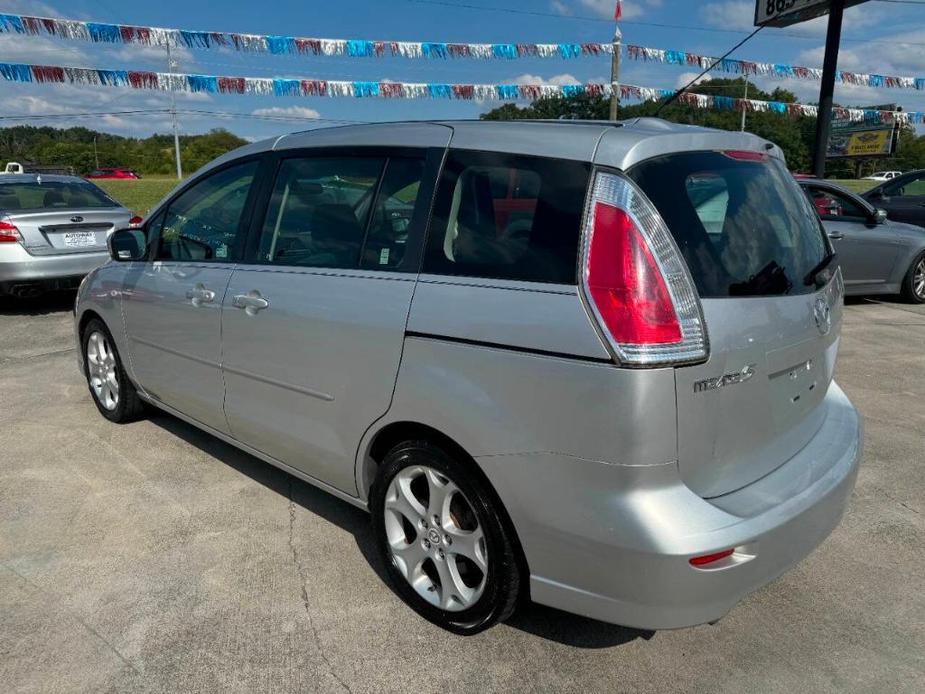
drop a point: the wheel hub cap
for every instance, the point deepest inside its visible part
(101, 371)
(435, 539)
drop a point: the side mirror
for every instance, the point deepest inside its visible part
(126, 245)
(880, 216)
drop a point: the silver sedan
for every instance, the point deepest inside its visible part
(53, 231)
(877, 255)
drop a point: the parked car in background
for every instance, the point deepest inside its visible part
(877, 255)
(112, 174)
(14, 167)
(903, 197)
(53, 231)
(586, 362)
(883, 176)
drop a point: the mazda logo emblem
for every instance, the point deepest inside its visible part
(822, 314)
(77, 219)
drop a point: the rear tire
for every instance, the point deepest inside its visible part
(913, 289)
(442, 539)
(113, 393)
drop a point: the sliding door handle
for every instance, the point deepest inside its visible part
(251, 302)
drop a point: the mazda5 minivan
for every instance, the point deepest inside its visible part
(588, 364)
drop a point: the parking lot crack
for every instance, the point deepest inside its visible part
(306, 603)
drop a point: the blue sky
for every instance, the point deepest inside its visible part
(880, 37)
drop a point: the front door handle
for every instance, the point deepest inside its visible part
(199, 295)
(250, 302)
(836, 236)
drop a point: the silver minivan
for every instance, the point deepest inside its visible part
(586, 364)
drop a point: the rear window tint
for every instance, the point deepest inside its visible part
(507, 217)
(744, 227)
(52, 195)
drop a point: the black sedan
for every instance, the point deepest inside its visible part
(903, 197)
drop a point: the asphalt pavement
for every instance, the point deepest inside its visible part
(153, 557)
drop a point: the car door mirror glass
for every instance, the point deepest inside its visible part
(128, 244)
(879, 216)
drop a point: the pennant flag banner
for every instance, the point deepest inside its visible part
(774, 70)
(180, 82)
(97, 32)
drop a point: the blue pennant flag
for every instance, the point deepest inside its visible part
(876, 80)
(777, 106)
(504, 50)
(196, 39)
(202, 83)
(104, 33)
(15, 72)
(361, 89)
(433, 50)
(113, 78)
(920, 83)
(569, 50)
(360, 49)
(676, 57)
(10, 22)
(439, 91)
(287, 87)
(725, 103)
(570, 90)
(280, 45)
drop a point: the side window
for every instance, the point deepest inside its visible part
(507, 217)
(202, 224)
(153, 228)
(318, 211)
(709, 195)
(913, 188)
(830, 204)
(392, 214)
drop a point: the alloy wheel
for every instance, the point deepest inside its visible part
(918, 279)
(102, 370)
(435, 539)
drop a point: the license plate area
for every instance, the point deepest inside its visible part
(79, 239)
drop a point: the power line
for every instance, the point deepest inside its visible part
(716, 62)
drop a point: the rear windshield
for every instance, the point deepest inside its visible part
(52, 195)
(743, 226)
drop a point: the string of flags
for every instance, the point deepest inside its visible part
(285, 87)
(98, 32)
(774, 70)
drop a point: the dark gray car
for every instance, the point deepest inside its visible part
(903, 197)
(53, 231)
(877, 255)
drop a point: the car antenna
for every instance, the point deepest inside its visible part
(674, 97)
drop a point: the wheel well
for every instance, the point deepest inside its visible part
(397, 432)
(87, 316)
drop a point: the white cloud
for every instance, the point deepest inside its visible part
(739, 15)
(686, 77)
(287, 112)
(558, 80)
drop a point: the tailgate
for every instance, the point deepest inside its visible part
(771, 302)
(68, 231)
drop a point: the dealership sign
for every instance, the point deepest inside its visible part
(782, 13)
(859, 140)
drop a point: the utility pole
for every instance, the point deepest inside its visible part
(615, 72)
(829, 66)
(744, 105)
(96, 157)
(172, 67)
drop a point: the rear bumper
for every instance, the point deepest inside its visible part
(613, 542)
(18, 267)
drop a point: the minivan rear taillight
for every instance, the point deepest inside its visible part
(636, 281)
(9, 233)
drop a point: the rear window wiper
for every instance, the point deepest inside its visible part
(771, 280)
(818, 274)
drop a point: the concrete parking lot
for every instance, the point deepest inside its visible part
(152, 557)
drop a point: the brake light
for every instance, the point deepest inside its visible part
(745, 155)
(135, 221)
(706, 559)
(9, 233)
(635, 280)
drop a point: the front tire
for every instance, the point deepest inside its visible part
(441, 535)
(113, 393)
(914, 282)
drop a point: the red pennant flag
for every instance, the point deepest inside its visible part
(618, 10)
